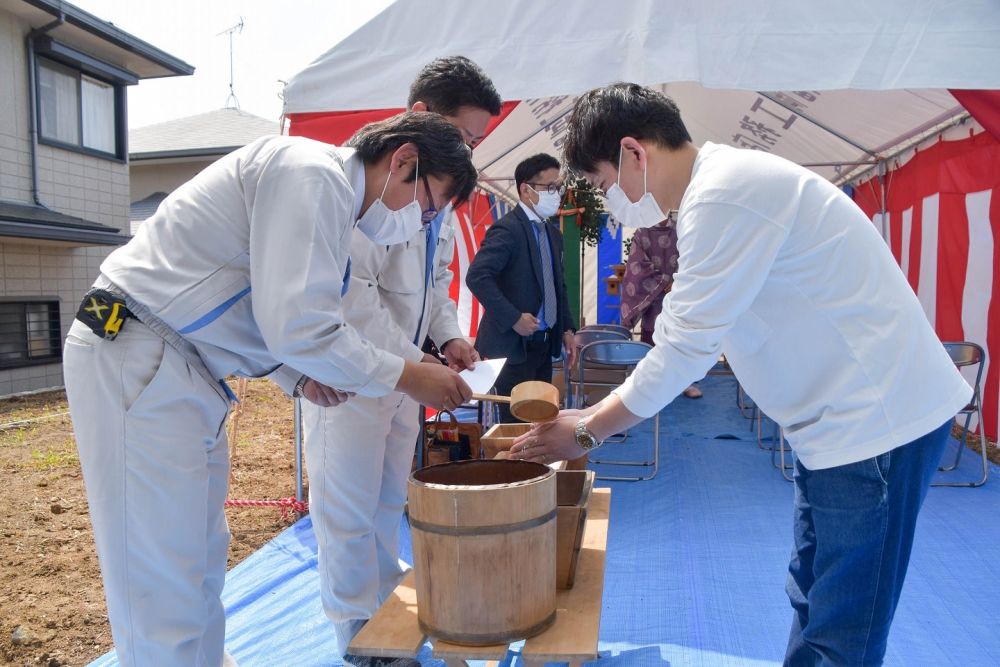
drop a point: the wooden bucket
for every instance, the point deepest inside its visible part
(484, 544)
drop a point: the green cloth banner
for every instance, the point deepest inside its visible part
(571, 264)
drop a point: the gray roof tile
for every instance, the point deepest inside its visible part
(142, 209)
(222, 129)
(35, 222)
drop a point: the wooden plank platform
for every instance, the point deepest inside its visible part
(448, 652)
(393, 630)
(573, 637)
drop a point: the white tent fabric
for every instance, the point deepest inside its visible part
(534, 48)
(849, 81)
(836, 133)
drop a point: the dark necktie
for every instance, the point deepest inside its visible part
(548, 278)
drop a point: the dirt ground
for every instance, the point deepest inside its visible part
(51, 601)
(52, 608)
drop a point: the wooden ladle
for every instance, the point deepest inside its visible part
(532, 401)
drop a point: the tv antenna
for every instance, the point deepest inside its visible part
(237, 28)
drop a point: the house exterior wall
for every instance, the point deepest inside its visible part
(91, 188)
(145, 179)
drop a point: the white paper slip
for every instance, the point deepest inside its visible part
(482, 377)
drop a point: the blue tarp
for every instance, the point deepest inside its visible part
(696, 563)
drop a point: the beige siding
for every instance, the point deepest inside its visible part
(43, 271)
(15, 165)
(149, 178)
(90, 188)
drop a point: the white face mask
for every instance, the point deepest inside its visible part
(548, 203)
(643, 213)
(387, 227)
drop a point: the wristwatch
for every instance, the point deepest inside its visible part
(585, 438)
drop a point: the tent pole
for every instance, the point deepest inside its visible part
(299, 494)
(882, 203)
(917, 140)
(489, 212)
(820, 125)
(583, 268)
(522, 141)
(839, 164)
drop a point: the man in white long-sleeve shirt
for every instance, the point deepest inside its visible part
(359, 453)
(780, 270)
(240, 271)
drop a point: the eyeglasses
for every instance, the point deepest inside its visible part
(432, 212)
(551, 188)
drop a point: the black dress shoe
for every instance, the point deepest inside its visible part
(379, 661)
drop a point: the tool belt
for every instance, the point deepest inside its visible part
(103, 312)
(105, 308)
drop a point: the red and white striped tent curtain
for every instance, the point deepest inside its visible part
(943, 210)
(471, 222)
(471, 219)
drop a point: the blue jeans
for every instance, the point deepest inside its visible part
(854, 528)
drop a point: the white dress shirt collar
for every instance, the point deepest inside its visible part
(531, 214)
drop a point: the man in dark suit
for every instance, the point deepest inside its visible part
(518, 277)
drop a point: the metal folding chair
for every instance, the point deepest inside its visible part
(748, 409)
(619, 357)
(965, 354)
(778, 452)
(575, 389)
(609, 327)
(559, 370)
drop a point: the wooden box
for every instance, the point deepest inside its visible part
(500, 438)
(613, 284)
(573, 489)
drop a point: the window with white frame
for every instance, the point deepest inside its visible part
(77, 110)
(30, 333)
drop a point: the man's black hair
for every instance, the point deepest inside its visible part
(447, 84)
(603, 116)
(439, 144)
(532, 167)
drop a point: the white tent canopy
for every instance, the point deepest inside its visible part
(533, 49)
(849, 82)
(836, 133)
